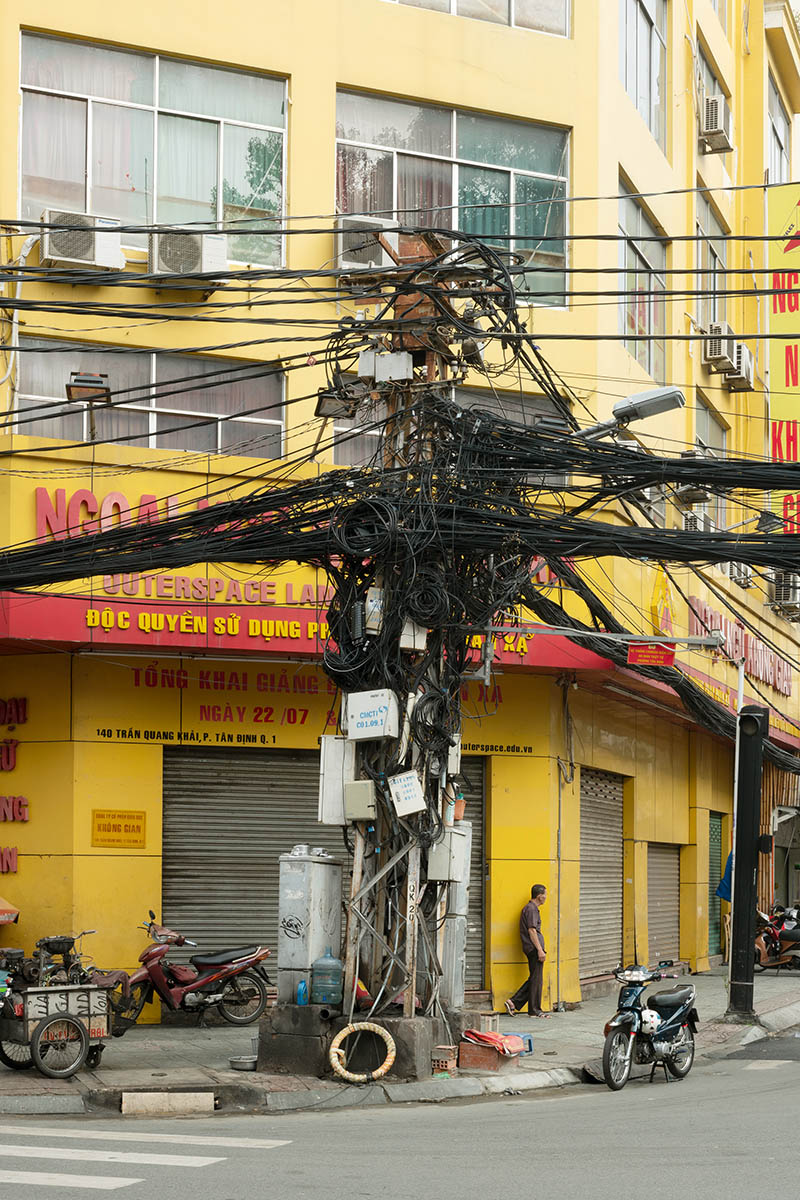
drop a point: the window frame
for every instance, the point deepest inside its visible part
(452, 11)
(658, 52)
(714, 509)
(152, 408)
(784, 148)
(156, 109)
(712, 262)
(629, 242)
(454, 162)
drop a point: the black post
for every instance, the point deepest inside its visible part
(753, 725)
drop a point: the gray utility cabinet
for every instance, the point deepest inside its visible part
(309, 918)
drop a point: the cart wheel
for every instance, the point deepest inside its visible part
(16, 1055)
(94, 1056)
(59, 1047)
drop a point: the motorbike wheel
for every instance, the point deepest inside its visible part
(616, 1060)
(94, 1057)
(129, 1007)
(244, 999)
(16, 1055)
(682, 1066)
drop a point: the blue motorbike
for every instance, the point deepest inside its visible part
(660, 1032)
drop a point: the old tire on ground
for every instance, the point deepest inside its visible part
(244, 999)
(336, 1053)
(59, 1046)
(616, 1060)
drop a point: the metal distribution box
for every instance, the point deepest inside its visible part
(372, 715)
(337, 768)
(448, 860)
(309, 917)
(454, 962)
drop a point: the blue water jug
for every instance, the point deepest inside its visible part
(302, 992)
(327, 980)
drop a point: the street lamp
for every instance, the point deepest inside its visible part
(90, 389)
(637, 407)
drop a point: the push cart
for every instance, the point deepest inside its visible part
(56, 1029)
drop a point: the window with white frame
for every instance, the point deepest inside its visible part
(549, 16)
(162, 401)
(711, 439)
(643, 61)
(712, 262)
(780, 134)
(502, 180)
(147, 139)
(720, 7)
(708, 84)
(643, 264)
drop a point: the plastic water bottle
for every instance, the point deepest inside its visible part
(302, 992)
(327, 980)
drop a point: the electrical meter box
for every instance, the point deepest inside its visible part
(372, 715)
(448, 859)
(309, 917)
(337, 767)
(359, 800)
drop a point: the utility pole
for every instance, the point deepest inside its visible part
(753, 724)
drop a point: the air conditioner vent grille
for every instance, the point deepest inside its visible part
(179, 253)
(72, 243)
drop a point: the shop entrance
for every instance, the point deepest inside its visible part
(714, 876)
(228, 816)
(663, 901)
(600, 946)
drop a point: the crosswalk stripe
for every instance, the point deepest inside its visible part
(118, 1156)
(176, 1139)
(106, 1183)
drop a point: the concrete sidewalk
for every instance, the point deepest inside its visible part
(168, 1059)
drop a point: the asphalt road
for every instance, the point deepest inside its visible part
(712, 1136)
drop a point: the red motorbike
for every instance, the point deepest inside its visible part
(232, 981)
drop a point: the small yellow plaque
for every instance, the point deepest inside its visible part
(122, 830)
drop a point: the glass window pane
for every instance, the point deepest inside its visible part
(53, 154)
(187, 170)
(185, 433)
(437, 5)
(219, 389)
(122, 423)
(216, 92)
(122, 166)
(504, 143)
(252, 190)
(549, 15)
(424, 191)
(538, 215)
(351, 448)
(643, 86)
(393, 123)
(60, 421)
(478, 187)
(363, 180)
(484, 10)
(251, 438)
(632, 41)
(44, 371)
(62, 65)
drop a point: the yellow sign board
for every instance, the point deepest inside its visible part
(784, 360)
(121, 830)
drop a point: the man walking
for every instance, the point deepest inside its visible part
(530, 932)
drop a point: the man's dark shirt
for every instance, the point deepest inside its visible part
(530, 919)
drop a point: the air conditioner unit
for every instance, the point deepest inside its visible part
(741, 573)
(357, 245)
(687, 494)
(698, 522)
(742, 377)
(90, 242)
(187, 254)
(786, 593)
(719, 347)
(716, 125)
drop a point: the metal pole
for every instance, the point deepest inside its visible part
(739, 703)
(412, 896)
(753, 724)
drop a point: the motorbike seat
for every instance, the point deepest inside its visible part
(675, 997)
(221, 957)
(789, 935)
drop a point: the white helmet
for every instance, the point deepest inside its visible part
(650, 1020)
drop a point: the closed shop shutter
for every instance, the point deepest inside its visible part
(228, 815)
(663, 901)
(600, 948)
(473, 772)
(714, 876)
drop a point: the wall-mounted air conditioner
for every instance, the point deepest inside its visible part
(83, 241)
(719, 347)
(742, 377)
(357, 244)
(786, 593)
(187, 254)
(698, 522)
(687, 494)
(716, 125)
(741, 573)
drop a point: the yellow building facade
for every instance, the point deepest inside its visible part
(128, 114)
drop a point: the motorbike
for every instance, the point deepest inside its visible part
(232, 981)
(660, 1033)
(777, 940)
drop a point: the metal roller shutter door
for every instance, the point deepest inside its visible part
(714, 876)
(663, 901)
(228, 815)
(473, 771)
(600, 922)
